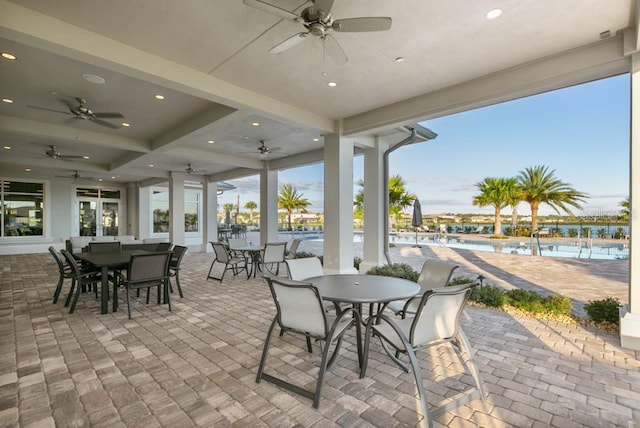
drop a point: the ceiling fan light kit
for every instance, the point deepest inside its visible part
(82, 111)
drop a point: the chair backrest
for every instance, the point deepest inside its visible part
(293, 248)
(274, 252)
(221, 252)
(178, 253)
(57, 258)
(435, 274)
(438, 314)
(151, 267)
(237, 242)
(105, 247)
(307, 267)
(71, 261)
(163, 246)
(299, 306)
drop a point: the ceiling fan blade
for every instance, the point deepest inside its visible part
(323, 5)
(105, 123)
(292, 41)
(333, 49)
(358, 25)
(49, 109)
(274, 10)
(108, 115)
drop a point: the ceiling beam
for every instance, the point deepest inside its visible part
(47, 131)
(576, 66)
(204, 156)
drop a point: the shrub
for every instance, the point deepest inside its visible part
(460, 280)
(606, 310)
(525, 300)
(558, 305)
(489, 295)
(397, 270)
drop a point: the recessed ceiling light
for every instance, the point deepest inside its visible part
(159, 97)
(7, 100)
(85, 157)
(315, 140)
(28, 169)
(210, 141)
(332, 84)
(399, 59)
(93, 78)
(53, 92)
(126, 125)
(494, 13)
(151, 165)
(255, 124)
(7, 55)
(99, 179)
(113, 178)
(6, 147)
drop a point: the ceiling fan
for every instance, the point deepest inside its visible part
(82, 111)
(264, 150)
(76, 176)
(189, 170)
(318, 21)
(53, 153)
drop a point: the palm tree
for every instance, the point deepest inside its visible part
(499, 193)
(625, 212)
(289, 199)
(250, 206)
(539, 185)
(399, 197)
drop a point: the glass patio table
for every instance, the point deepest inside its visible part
(358, 289)
(254, 255)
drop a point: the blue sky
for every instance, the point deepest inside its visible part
(582, 132)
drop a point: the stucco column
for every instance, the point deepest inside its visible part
(338, 205)
(176, 208)
(268, 206)
(133, 210)
(373, 254)
(630, 314)
(210, 214)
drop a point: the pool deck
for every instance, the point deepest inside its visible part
(196, 366)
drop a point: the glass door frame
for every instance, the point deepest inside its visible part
(100, 208)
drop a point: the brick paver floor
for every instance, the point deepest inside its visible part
(196, 366)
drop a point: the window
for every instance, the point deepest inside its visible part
(191, 210)
(22, 208)
(160, 209)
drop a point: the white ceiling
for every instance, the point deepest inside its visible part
(210, 60)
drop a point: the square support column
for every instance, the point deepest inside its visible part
(338, 205)
(630, 315)
(210, 214)
(373, 245)
(268, 206)
(176, 208)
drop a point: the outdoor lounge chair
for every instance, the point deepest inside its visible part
(436, 322)
(300, 310)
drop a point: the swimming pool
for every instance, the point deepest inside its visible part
(585, 249)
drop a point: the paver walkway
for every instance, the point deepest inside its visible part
(196, 366)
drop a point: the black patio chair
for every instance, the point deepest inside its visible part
(147, 271)
(81, 278)
(174, 267)
(64, 270)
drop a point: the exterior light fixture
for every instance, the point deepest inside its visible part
(494, 13)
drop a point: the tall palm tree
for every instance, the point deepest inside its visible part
(499, 193)
(399, 197)
(250, 206)
(540, 186)
(625, 212)
(289, 199)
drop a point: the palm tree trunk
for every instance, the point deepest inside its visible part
(534, 216)
(497, 222)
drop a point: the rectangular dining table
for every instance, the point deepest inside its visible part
(106, 262)
(362, 289)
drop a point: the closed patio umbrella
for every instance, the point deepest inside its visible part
(416, 220)
(227, 218)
